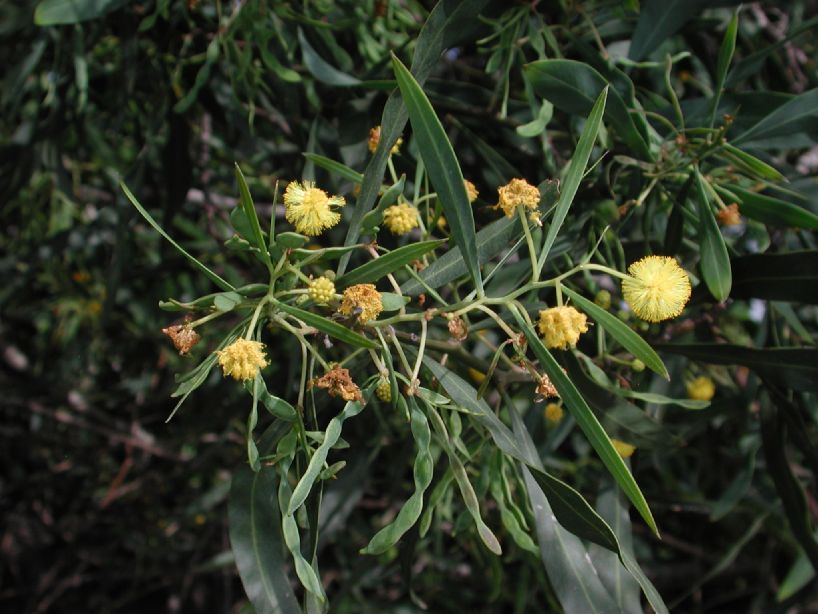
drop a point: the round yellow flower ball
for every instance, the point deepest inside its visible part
(561, 327)
(701, 389)
(400, 219)
(657, 289)
(242, 359)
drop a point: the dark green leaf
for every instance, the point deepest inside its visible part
(588, 422)
(447, 24)
(574, 87)
(319, 456)
(751, 165)
(658, 21)
(624, 419)
(575, 173)
(620, 331)
(442, 167)
(715, 263)
(422, 472)
(570, 570)
(793, 117)
(333, 329)
(387, 263)
(773, 437)
(795, 368)
(777, 277)
(249, 209)
(769, 210)
(571, 509)
(335, 167)
(255, 539)
(728, 47)
(321, 69)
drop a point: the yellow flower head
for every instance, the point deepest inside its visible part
(562, 326)
(658, 288)
(553, 413)
(471, 191)
(242, 359)
(625, 450)
(321, 290)
(701, 389)
(384, 390)
(400, 219)
(309, 208)
(363, 299)
(375, 138)
(518, 193)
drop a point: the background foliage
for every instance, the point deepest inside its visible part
(107, 508)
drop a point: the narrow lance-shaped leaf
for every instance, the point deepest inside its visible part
(571, 509)
(333, 329)
(621, 332)
(422, 472)
(576, 170)
(250, 212)
(331, 436)
(715, 262)
(446, 26)
(306, 573)
(570, 570)
(728, 46)
(462, 479)
(555, 501)
(586, 420)
(442, 166)
(380, 267)
(255, 539)
(332, 166)
(212, 276)
(574, 86)
(770, 210)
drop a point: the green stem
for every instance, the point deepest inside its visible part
(207, 318)
(532, 252)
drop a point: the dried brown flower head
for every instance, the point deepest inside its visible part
(338, 383)
(183, 337)
(458, 329)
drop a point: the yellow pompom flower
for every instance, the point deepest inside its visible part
(242, 359)
(401, 218)
(625, 450)
(321, 290)
(309, 209)
(701, 389)
(562, 326)
(518, 193)
(658, 288)
(375, 138)
(384, 390)
(471, 191)
(362, 299)
(553, 413)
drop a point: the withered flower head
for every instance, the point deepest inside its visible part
(729, 216)
(183, 336)
(338, 383)
(546, 388)
(458, 329)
